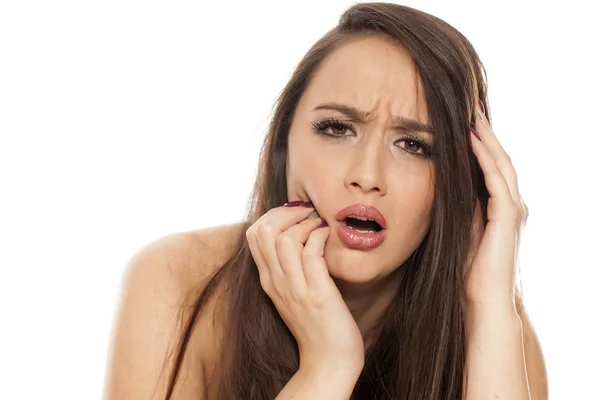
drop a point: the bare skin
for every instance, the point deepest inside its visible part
(153, 285)
(373, 166)
(376, 166)
(535, 364)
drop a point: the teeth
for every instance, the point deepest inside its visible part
(361, 231)
(361, 218)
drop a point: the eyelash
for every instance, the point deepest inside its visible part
(321, 126)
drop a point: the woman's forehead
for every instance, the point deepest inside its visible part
(366, 73)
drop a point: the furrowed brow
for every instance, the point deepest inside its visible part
(360, 115)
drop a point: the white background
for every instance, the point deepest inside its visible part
(125, 121)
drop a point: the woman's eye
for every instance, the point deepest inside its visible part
(333, 128)
(338, 129)
(413, 145)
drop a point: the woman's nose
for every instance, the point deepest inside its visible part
(367, 171)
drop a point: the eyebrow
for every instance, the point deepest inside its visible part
(360, 115)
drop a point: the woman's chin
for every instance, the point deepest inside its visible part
(351, 268)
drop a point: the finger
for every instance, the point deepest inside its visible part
(291, 207)
(283, 217)
(498, 154)
(261, 265)
(314, 266)
(289, 246)
(494, 180)
(269, 226)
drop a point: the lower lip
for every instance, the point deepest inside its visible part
(358, 240)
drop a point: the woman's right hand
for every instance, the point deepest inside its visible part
(288, 250)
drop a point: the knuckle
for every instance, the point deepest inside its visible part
(284, 240)
(507, 159)
(265, 283)
(264, 230)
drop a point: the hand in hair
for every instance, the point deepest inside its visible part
(287, 247)
(495, 352)
(495, 247)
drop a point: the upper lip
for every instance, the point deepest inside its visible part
(361, 210)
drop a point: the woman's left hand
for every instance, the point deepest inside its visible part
(494, 253)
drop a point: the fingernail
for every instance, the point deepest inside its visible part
(323, 225)
(475, 133)
(307, 204)
(293, 203)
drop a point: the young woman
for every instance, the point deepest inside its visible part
(378, 257)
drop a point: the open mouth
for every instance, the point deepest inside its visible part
(362, 226)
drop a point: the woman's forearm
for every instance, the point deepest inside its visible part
(495, 356)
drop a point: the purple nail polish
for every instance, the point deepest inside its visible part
(475, 133)
(293, 203)
(324, 224)
(307, 204)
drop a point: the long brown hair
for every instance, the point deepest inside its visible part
(420, 351)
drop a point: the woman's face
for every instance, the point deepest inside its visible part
(372, 162)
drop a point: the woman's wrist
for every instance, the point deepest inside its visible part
(338, 368)
(338, 378)
(326, 379)
(483, 309)
(497, 313)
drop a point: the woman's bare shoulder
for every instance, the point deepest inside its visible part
(212, 248)
(208, 248)
(158, 290)
(199, 254)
